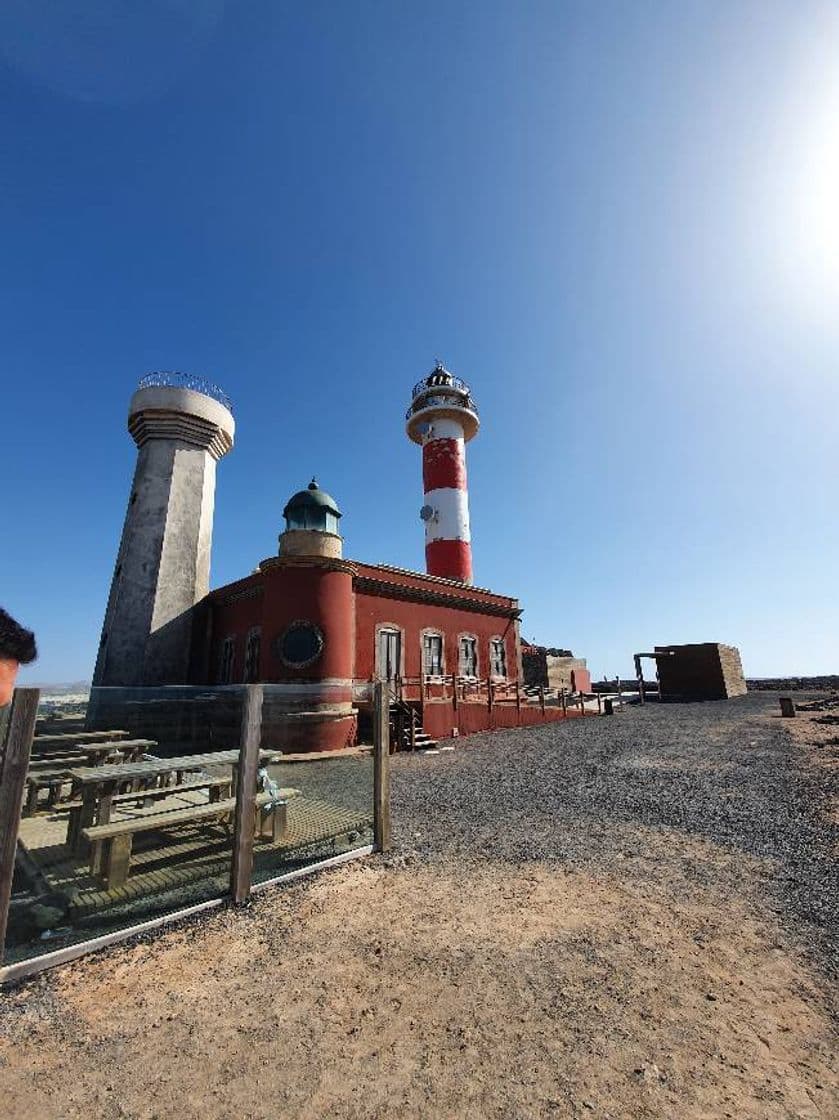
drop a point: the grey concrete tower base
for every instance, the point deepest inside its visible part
(163, 564)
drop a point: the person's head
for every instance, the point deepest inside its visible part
(17, 647)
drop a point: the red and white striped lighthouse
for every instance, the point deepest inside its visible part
(442, 419)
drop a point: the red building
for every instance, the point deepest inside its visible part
(317, 629)
(320, 630)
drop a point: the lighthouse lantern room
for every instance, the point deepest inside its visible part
(442, 418)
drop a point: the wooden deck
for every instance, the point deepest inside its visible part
(167, 863)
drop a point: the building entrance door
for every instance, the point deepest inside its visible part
(390, 654)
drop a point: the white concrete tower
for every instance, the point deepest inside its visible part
(182, 426)
(442, 419)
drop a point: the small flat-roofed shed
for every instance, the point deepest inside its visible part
(697, 671)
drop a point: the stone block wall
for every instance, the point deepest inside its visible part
(732, 671)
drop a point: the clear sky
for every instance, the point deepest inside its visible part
(619, 222)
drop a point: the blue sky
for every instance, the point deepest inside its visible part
(617, 222)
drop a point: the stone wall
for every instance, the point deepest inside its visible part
(732, 671)
(561, 671)
(700, 671)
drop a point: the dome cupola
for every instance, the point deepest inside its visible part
(311, 518)
(312, 508)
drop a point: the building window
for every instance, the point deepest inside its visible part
(300, 644)
(388, 652)
(225, 673)
(468, 664)
(498, 657)
(252, 656)
(432, 655)
(321, 520)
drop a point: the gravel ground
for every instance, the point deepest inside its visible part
(347, 781)
(723, 772)
(628, 918)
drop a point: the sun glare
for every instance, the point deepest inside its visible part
(817, 196)
(801, 216)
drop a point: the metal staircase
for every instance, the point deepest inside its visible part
(406, 730)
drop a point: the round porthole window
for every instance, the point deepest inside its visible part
(300, 644)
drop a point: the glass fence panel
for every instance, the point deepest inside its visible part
(323, 807)
(323, 797)
(118, 829)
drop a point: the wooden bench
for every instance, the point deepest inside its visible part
(97, 785)
(216, 787)
(117, 837)
(51, 780)
(53, 752)
(38, 765)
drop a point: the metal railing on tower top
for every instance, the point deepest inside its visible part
(447, 381)
(174, 379)
(418, 405)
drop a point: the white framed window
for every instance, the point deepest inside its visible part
(498, 657)
(389, 651)
(252, 655)
(468, 656)
(225, 672)
(432, 654)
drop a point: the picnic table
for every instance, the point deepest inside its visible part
(97, 785)
(132, 750)
(113, 863)
(51, 773)
(67, 738)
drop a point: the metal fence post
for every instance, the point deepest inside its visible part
(14, 764)
(381, 767)
(241, 867)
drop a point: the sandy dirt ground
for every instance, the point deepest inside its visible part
(481, 988)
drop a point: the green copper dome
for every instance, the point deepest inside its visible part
(312, 508)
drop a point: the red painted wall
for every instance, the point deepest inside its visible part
(274, 598)
(349, 618)
(580, 680)
(413, 618)
(440, 720)
(313, 593)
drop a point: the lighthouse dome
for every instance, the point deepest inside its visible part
(311, 518)
(310, 503)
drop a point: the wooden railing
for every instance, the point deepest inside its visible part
(455, 688)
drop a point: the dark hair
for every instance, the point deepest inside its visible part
(16, 644)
